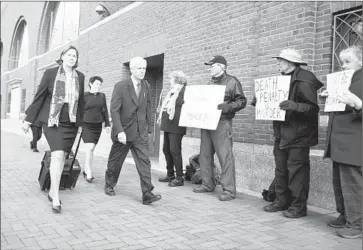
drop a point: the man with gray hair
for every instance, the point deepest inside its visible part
(220, 140)
(131, 124)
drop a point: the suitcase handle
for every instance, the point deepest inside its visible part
(75, 153)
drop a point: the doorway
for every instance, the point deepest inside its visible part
(15, 102)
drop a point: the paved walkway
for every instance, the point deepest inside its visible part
(181, 220)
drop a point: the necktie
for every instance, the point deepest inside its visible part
(137, 90)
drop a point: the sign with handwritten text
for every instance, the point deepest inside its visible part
(200, 106)
(337, 83)
(270, 92)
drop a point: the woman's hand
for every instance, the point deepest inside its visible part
(25, 127)
(350, 99)
(108, 130)
(79, 130)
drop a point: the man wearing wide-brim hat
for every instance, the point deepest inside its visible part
(295, 136)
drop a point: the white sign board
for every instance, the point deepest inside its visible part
(337, 83)
(200, 106)
(270, 92)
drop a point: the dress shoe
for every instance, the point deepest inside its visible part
(349, 233)
(176, 182)
(89, 180)
(338, 222)
(150, 197)
(226, 196)
(291, 213)
(35, 150)
(273, 207)
(202, 189)
(166, 178)
(56, 209)
(109, 191)
(31, 145)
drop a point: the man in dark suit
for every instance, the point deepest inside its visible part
(131, 118)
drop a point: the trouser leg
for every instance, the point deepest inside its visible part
(298, 166)
(223, 144)
(116, 159)
(139, 150)
(337, 187)
(351, 183)
(168, 155)
(206, 160)
(281, 175)
(175, 141)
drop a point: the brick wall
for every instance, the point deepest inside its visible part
(248, 34)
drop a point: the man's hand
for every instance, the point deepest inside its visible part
(288, 105)
(224, 107)
(350, 99)
(122, 137)
(79, 130)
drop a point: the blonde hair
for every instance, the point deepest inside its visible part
(179, 77)
(355, 50)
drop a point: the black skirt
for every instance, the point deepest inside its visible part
(63, 136)
(91, 132)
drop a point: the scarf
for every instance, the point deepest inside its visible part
(59, 94)
(168, 104)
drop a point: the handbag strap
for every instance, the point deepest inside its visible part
(75, 153)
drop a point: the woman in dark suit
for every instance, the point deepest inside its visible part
(95, 113)
(344, 148)
(169, 115)
(59, 106)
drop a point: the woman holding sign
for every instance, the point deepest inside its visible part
(169, 114)
(344, 148)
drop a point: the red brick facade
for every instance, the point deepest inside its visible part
(187, 34)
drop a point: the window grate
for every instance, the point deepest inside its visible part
(347, 32)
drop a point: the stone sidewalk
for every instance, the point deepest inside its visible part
(181, 220)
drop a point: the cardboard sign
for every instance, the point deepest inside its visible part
(337, 83)
(200, 106)
(270, 92)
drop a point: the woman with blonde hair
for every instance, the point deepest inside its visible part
(58, 106)
(169, 114)
(344, 148)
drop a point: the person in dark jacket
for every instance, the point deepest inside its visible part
(344, 148)
(95, 113)
(220, 140)
(168, 119)
(294, 137)
(59, 106)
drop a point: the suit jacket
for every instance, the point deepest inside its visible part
(172, 126)
(38, 111)
(130, 114)
(95, 108)
(344, 136)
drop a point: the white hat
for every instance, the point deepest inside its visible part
(291, 55)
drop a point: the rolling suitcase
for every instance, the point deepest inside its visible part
(70, 172)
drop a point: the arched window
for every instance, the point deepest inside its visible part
(60, 24)
(20, 45)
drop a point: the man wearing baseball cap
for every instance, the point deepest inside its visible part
(220, 140)
(295, 136)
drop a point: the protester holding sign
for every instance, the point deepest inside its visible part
(344, 148)
(220, 140)
(168, 119)
(295, 136)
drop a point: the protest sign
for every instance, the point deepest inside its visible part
(337, 83)
(200, 106)
(270, 92)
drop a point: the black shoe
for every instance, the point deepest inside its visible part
(35, 150)
(56, 209)
(84, 174)
(150, 197)
(273, 207)
(109, 191)
(291, 213)
(89, 180)
(338, 222)
(166, 178)
(31, 145)
(176, 182)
